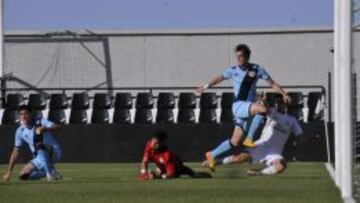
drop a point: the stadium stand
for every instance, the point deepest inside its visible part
(101, 104)
(208, 105)
(144, 106)
(79, 106)
(58, 104)
(165, 107)
(123, 104)
(227, 99)
(187, 104)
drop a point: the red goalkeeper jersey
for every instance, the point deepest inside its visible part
(167, 161)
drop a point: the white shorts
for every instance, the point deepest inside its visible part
(264, 155)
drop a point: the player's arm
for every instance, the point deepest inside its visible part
(277, 88)
(47, 126)
(13, 158)
(214, 81)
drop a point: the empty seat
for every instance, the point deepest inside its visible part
(143, 116)
(100, 116)
(271, 98)
(102, 101)
(297, 99)
(58, 101)
(187, 100)
(165, 116)
(123, 101)
(207, 116)
(80, 101)
(14, 101)
(10, 117)
(37, 101)
(57, 116)
(297, 113)
(186, 116)
(315, 106)
(208, 100)
(122, 116)
(226, 116)
(166, 100)
(36, 114)
(78, 116)
(227, 99)
(144, 101)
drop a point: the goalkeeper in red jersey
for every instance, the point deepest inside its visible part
(169, 165)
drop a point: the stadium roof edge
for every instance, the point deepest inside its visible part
(198, 31)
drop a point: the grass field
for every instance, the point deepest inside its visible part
(302, 182)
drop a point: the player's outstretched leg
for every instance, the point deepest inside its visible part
(188, 171)
(257, 123)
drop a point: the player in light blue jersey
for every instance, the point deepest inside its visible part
(244, 77)
(37, 134)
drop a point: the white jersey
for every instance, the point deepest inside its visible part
(276, 132)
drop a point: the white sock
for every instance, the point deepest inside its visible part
(270, 170)
(227, 160)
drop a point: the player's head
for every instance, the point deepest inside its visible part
(243, 53)
(158, 140)
(25, 116)
(280, 105)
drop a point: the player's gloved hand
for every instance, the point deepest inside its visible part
(7, 176)
(145, 175)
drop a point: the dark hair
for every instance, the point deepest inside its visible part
(245, 49)
(24, 108)
(160, 135)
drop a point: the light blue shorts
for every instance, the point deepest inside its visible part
(241, 112)
(41, 160)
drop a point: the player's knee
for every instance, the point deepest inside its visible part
(24, 176)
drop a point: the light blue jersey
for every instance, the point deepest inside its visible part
(244, 80)
(26, 135)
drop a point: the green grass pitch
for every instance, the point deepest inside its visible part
(302, 182)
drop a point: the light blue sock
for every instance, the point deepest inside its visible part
(256, 124)
(36, 175)
(222, 148)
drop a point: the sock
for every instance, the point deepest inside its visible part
(36, 175)
(256, 125)
(270, 170)
(227, 160)
(222, 148)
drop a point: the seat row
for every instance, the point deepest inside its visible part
(120, 107)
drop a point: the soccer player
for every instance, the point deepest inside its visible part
(37, 134)
(244, 77)
(169, 165)
(269, 147)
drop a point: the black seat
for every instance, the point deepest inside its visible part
(80, 101)
(100, 116)
(271, 98)
(226, 116)
(143, 116)
(123, 101)
(227, 99)
(14, 101)
(297, 99)
(314, 100)
(122, 116)
(10, 117)
(37, 101)
(102, 101)
(186, 116)
(208, 100)
(166, 100)
(165, 116)
(144, 101)
(78, 116)
(187, 100)
(297, 113)
(58, 101)
(57, 116)
(207, 116)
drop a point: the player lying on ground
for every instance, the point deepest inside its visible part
(37, 134)
(244, 77)
(279, 125)
(169, 165)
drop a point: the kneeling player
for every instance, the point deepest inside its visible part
(169, 165)
(269, 147)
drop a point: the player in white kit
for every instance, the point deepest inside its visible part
(279, 125)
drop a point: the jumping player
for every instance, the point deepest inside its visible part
(37, 134)
(244, 77)
(169, 165)
(269, 146)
